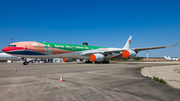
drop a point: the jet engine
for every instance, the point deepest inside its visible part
(97, 57)
(68, 59)
(129, 53)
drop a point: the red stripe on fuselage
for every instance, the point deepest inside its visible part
(8, 49)
(117, 56)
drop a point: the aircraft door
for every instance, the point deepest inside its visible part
(26, 46)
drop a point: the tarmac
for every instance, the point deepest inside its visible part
(82, 82)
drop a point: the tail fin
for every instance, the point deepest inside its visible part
(165, 57)
(169, 57)
(128, 43)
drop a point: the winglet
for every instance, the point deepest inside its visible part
(175, 44)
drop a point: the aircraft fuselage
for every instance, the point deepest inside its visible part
(30, 49)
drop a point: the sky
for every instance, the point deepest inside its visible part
(107, 23)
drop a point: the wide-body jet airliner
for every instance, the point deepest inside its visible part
(173, 59)
(32, 49)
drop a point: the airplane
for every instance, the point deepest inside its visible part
(169, 58)
(69, 52)
(175, 59)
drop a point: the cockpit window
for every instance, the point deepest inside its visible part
(12, 46)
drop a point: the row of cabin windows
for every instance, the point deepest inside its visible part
(39, 46)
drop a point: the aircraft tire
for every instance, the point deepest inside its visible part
(105, 62)
(88, 61)
(25, 63)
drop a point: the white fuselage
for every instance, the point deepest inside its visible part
(76, 54)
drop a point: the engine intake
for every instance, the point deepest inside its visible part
(97, 57)
(128, 53)
(68, 59)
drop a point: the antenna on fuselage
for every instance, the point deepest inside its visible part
(12, 39)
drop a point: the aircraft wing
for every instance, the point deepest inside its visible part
(109, 52)
(149, 48)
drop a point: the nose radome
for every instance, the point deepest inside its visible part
(5, 49)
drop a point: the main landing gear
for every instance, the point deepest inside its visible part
(105, 62)
(88, 61)
(102, 62)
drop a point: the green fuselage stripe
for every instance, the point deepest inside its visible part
(69, 47)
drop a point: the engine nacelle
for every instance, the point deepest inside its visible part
(68, 59)
(97, 57)
(129, 53)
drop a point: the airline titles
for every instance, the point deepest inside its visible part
(70, 47)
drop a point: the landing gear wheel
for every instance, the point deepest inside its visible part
(105, 62)
(25, 63)
(88, 61)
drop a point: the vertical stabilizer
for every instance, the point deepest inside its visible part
(169, 57)
(127, 45)
(166, 57)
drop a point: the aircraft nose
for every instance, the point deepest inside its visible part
(10, 49)
(5, 49)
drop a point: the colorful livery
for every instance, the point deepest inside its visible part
(32, 49)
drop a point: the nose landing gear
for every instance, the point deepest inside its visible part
(25, 63)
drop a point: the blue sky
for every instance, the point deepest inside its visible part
(99, 22)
